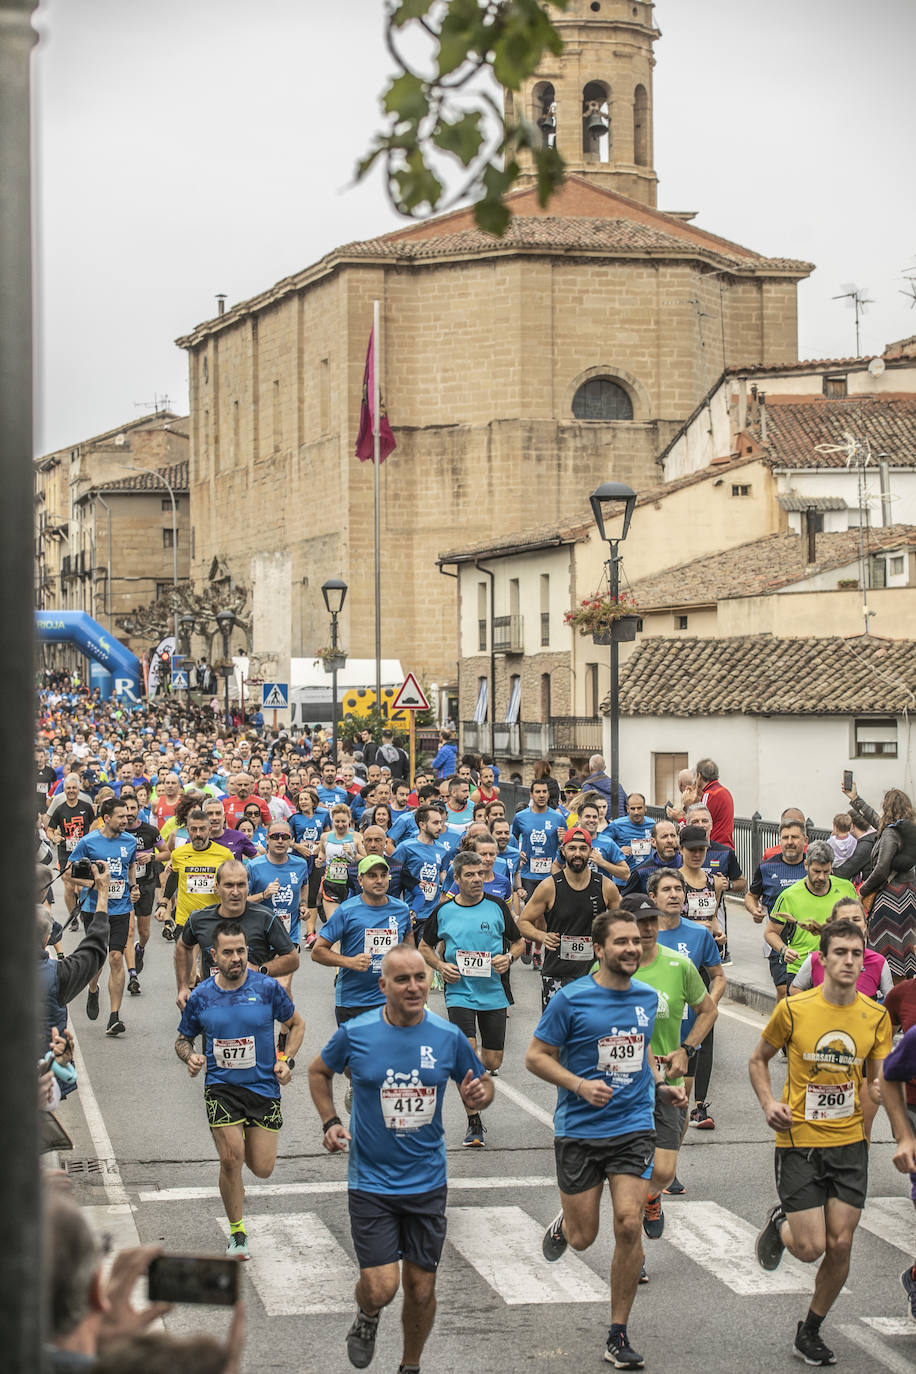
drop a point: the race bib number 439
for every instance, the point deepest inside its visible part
(621, 1053)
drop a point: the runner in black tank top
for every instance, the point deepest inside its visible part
(559, 915)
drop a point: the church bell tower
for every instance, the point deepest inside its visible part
(594, 101)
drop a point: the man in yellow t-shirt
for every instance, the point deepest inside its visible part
(193, 875)
(833, 1036)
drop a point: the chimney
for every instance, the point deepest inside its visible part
(811, 536)
(221, 304)
(885, 477)
(763, 416)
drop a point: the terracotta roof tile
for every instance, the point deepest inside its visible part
(765, 675)
(796, 428)
(761, 566)
(539, 537)
(176, 475)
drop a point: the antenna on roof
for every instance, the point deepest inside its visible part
(858, 300)
(158, 404)
(858, 454)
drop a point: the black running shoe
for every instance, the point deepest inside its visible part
(139, 956)
(474, 1137)
(620, 1353)
(769, 1246)
(92, 1004)
(115, 1026)
(653, 1217)
(810, 1348)
(675, 1187)
(526, 953)
(908, 1279)
(361, 1340)
(554, 1243)
(643, 1276)
(133, 985)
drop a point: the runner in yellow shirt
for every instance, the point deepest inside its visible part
(193, 875)
(832, 1035)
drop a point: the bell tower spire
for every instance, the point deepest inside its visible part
(594, 101)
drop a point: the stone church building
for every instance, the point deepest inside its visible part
(518, 373)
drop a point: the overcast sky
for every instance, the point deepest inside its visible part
(189, 147)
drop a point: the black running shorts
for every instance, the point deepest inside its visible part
(349, 1013)
(118, 930)
(669, 1125)
(387, 1227)
(229, 1104)
(808, 1178)
(492, 1025)
(585, 1164)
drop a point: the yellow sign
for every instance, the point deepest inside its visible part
(358, 701)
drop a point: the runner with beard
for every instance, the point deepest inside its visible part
(560, 912)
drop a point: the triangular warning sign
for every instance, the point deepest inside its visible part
(275, 699)
(410, 697)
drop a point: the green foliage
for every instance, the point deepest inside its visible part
(442, 112)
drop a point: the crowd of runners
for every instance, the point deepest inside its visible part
(252, 852)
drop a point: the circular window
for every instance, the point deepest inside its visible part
(601, 399)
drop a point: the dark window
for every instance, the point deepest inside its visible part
(167, 539)
(481, 634)
(602, 399)
(834, 387)
(167, 503)
(741, 489)
(876, 738)
(680, 622)
(545, 628)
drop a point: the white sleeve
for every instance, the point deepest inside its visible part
(802, 979)
(887, 980)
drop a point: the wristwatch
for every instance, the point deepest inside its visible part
(262, 968)
(290, 1063)
(691, 1052)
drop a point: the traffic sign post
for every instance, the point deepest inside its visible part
(180, 680)
(274, 697)
(411, 698)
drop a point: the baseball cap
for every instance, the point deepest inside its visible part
(693, 836)
(576, 832)
(639, 905)
(371, 861)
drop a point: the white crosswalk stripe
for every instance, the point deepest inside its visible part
(504, 1245)
(297, 1266)
(897, 1361)
(892, 1219)
(723, 1244)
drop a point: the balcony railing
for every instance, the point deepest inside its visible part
(576, 734)
(534, 739)
(507, 634)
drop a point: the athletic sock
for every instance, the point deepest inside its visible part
(131, 973)
(408, 1369)
(813, 1322)
(115, 1016)
(618, 1329)
(236, 1226)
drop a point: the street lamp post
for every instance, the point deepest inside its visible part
(152, 472)
(334, 592)
(610, 499)
(226, 620)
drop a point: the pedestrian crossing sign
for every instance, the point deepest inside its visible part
(275, 696)
(180, 680)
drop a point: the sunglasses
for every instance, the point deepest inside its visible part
(280, 835)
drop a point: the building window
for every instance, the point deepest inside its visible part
(514, 596)
(680, 622)
(546, 711)
(834, 387)
(481, 616)
(596, 122)
(600, 398)
(741, 489)
(162, 588)
(167, 503)
(641, 127)
(876, 738)
(665, 768)
(545, 609)
(168, 541)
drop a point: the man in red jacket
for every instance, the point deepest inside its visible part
(719, 802)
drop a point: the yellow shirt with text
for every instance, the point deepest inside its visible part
(196, 870)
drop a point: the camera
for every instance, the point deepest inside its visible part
(82, 869)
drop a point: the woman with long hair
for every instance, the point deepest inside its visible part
(892, 881)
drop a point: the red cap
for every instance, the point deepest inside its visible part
(577, 832)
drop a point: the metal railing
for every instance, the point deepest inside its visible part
(577, 734)
(753, 835)
(534, 739)
(507, 634)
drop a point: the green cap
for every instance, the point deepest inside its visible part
(371, 861)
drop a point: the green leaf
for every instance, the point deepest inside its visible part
(417, 184)
(550, 169)
(491, 215)
(462, 34)
(411, 9)
(462, 138)
(406, 99)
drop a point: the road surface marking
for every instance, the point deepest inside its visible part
(895, 1361)
(455, 1185)
(890, 1219)
(101, 1140)
(520, 1100)
(757, 1022)
(504, 1245)
(723, 1244)
(891, 1326)
(297, 1266)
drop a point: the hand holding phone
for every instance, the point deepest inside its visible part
(194, 1279)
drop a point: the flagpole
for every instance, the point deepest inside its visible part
(376, 464)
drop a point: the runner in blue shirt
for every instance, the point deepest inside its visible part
(537, 829)
(665, 855)
(472, 941)
(365, 927)
(459, 809)
(308, 824)
(328, 791)
(279, 880)
(496, 880)
(404, 827)
(771, 878)
(116, 847)
(592, 1042)
(235, 1011)
(400, 1057)
(633, 831)
(416, 867)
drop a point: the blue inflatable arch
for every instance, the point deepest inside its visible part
(113, 668)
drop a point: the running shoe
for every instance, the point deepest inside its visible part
(702, 1118)
(348, 1097)
(537, 959)
(526, 953)
(726, 957)
(908, 1279)
(238, 1246)
(643, 1276)
(139, 956)
(554, 1243)
(493, 1073)
(92, 1004)
(476, 1131)
(115, 1026)
(769, 1246)
(168, 930)
(436, 983)
(620, 1353)
(361, 1340)
(811, 1348)
(653, 1218)
(675, 1187)
(133, 985)
(310, 940)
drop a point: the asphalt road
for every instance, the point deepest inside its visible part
(144, 1162)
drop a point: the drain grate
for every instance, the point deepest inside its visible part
(86, 1167)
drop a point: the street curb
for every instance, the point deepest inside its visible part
(749, 995)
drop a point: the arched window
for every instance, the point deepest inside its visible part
(600, 398)
(596, 122)
(544, 112)
(641, 127)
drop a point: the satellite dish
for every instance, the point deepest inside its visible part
(120, 440)
(877, 367)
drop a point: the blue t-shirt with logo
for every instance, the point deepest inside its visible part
(403, 827)
(348, 925)
(417, 875)
(639, 878)
(238, 1029)
(603, 1033)
(397, 1072)
(625, 831)
(693, 939)
(511, 858)
(477, 932)
(309, 829)
(538, 835)
(773, 876)
(610, 851)
(285, 901)
(332, 796)
(118, 854)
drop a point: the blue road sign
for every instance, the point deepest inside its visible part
(274, 696)
(180, 680)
